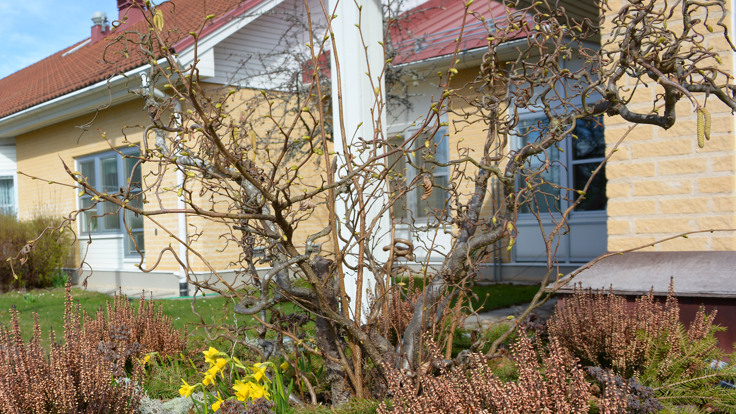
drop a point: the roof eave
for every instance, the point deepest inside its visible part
(469, 57)
(82, 101)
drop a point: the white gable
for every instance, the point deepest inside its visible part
(262, 54)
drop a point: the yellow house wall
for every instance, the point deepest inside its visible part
(216, 239)
(660, 183)
(41, 154)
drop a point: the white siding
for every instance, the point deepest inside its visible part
(105, 253)
(9, 165)
(8, 161)
(262, 54)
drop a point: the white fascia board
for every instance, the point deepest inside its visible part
(468, 58)
(100, 95)
(208, 43)
(473, 57)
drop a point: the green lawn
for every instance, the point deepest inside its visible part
(49, 303)
(216, 310)
(494, 296)
(499, 296)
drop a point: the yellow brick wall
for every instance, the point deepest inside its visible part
(660, 183)
(216, 239)
(43, 152)
(468, 135)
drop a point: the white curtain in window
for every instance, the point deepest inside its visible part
(7, 195)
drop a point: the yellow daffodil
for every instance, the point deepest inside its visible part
(220, 363)
(216, 404)
(146, 359)
(258, 391)
(186, 389)
(208, 379)
(242, 390)
(210, 355)
(284, 366)
(259, 370)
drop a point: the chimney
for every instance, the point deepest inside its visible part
(132, 10)
(99, 26)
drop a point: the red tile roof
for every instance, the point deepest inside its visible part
(431, 29)
(425, 32)
(60, 74)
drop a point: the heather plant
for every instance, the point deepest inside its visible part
(602, 329)
(648, 343)
(43, 256)
(548, 381)
(72, 378)
(123, 333)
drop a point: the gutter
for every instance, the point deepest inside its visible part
(469, 57)
(80, 102)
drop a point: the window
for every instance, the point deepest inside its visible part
(427, 152)
(7, 196)
(110, 173)
(570, 168)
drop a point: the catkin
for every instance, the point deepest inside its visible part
(706, 118)
(701, 128)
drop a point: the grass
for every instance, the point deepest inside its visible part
(49, 303)
(495, 296)
(355, 406)
(498, 296)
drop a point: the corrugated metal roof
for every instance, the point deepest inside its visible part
(432, 29)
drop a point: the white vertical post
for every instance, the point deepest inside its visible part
(358, 31)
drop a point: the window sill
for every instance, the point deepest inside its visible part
(99, 236)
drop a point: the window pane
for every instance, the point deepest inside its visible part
(137, 240)
(397, 179)
(530, 131)
(431, 152)
(546, 193)
(131, 163)
(590, 142)
(110, 218)
(436, 202)
(109, 175)
(595, 198)
(133, 221)
(88, 221)
(87, 168)
(7, 196)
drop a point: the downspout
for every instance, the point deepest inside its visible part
(181, 205)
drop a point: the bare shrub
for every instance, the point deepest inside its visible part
(548, 382)
(71, 379)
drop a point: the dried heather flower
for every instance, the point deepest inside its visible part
(554, 385)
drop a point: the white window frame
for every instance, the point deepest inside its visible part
(442, 151)
(566, 165)
(12, 208)
(122, 229)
